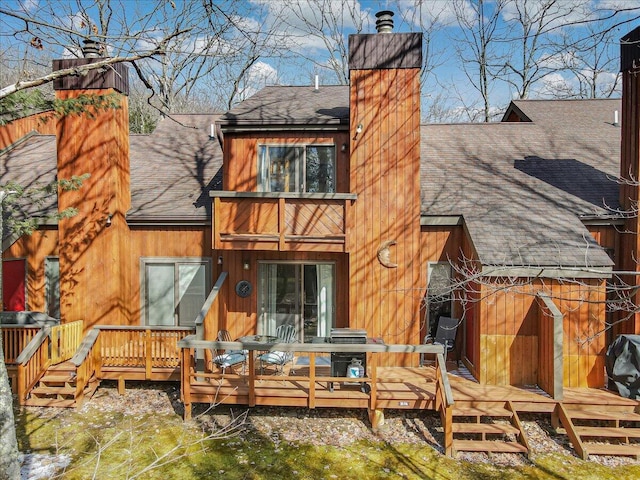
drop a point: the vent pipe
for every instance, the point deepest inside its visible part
(384, 22)
(615, 118)
(317, 84)
(91, 49)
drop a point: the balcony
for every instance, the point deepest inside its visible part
(280, 221)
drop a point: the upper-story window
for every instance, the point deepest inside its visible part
(284, 168)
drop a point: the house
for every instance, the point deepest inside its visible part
(332, 206)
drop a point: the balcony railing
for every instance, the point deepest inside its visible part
(281, 221)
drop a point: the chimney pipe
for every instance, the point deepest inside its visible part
(91, 49)
(384, 22)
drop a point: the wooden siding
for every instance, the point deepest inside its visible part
(91, 251)
(509, 332)
(35, 248)
(240, 172)
(42, 123)
(630, 190)
(384, 173)
(162, 242)
(240, 315)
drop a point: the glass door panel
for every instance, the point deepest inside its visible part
(160, 308)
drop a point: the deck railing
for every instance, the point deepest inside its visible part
(280, 221)
(87, 361)
(189, 374)
(65, 340)
(32, 362)
(14, 340)
(140, 346)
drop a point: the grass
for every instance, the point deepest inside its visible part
(116, 445)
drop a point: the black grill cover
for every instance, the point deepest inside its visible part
(623, 365)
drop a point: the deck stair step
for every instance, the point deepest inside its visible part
(57, 388)
(488, 446)
(487, 427)
(597, 430)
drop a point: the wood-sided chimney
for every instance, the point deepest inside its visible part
(384, 222)
(93, 138)
(630, 168)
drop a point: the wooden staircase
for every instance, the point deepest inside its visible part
(57, 388)
(600, 430)
(487, 427)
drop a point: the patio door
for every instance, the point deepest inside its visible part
(296, 294)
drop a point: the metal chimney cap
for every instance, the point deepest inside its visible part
(384, 22)
(91, 48)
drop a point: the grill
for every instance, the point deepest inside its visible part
(341, 360)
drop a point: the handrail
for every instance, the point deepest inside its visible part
(192, 342)
(444, 403)
(207, 305)
(287, 195)
(85, 347)
(443, 380)
(158, 328)
(32, 347)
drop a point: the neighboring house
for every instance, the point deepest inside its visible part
(336, 208)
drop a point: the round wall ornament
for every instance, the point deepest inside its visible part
(244, 288)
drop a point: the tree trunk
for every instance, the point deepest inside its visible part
(9, 462)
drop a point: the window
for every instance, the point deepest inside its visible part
(439, 294)
(52, 286)
(283, 168)
(174, 290)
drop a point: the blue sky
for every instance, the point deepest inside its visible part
(445, 84)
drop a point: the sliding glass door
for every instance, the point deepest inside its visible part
(298, 294)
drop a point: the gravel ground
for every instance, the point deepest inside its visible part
(336, 427)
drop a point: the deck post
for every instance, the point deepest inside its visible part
(281, 223)
(22, 383)
(97, 357)
(312, 380)
(148, 356)
(186, 382)
(252, 379)
(376, 416)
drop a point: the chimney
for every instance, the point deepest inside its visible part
(629, 250)
(93, 245)
(384, 132)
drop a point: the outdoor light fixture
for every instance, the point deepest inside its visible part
(220, 260)
(358, 131)
(108, 222)
(246, 265)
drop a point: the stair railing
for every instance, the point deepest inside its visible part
(65, 340)
(444, 403)
(88, 362)
(33, 362)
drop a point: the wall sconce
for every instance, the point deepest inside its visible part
(220, 260)
(343, 148)
(246, 265)
(108, 222)
(358, 131)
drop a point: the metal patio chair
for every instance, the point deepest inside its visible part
(285, 334)
(229, 358)
(445, 335)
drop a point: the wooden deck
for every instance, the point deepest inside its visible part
(397, 388)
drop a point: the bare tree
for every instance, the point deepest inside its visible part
(479, 33)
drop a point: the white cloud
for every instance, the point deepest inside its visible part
(259, 75)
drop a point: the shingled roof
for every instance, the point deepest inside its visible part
(524, 188)
(172, 170)
(292, 107)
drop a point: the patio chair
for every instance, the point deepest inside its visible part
(229, 358)
(445, 335)
(285, 334)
